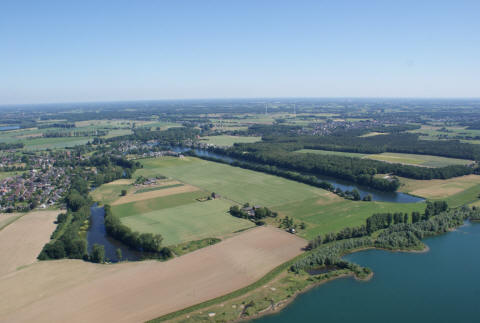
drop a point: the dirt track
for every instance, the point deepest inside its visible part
(22, 240)
(76, 291)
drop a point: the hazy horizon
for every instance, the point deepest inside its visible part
(59, 52)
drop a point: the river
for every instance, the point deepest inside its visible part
(438, 286)
(97, 234)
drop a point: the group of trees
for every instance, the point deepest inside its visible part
(84, 133)
(66, 241)
(380, 221)
(8, 146)
(256, 213)
(358, 170)
(145, 242)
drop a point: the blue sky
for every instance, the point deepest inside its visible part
(65, 51)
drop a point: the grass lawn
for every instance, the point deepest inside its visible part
(184, 222)
(229, 140)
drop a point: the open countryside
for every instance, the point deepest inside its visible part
(239, 161)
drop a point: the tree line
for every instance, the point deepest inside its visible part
(397, 236)
(144, 242)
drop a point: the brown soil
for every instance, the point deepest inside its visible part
(22, 240)
(76, 291)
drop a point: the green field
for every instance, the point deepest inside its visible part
(228, 140)
(180, 218)
(332, 217)
(422, 160)
(234, 183)
(410, 159)
(429, 132)
(52, 143)
(109, 193)
(322, 211)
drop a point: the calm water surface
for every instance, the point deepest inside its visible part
(441, 285)
(97, 234)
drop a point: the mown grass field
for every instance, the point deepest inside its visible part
(52, 143)
(322, 211)
(323, 218)
(229, 140)
(420, 160)
(191, 220)
(409, 159)
(233, 183)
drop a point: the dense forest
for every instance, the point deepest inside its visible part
(351, 140)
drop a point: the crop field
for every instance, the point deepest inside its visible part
(8, 218)
(22, 240)
(130, 292)
(176, 190)
(456, 191)
(229, 140)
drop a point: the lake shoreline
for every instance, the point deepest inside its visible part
(281, 305)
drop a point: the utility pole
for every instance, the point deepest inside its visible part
(266, 108)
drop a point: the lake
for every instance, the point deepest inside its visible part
(441, 285)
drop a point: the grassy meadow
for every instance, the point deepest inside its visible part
(185, 221)
(321, 210)
(409, 159)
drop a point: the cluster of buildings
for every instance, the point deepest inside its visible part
(33, 189)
